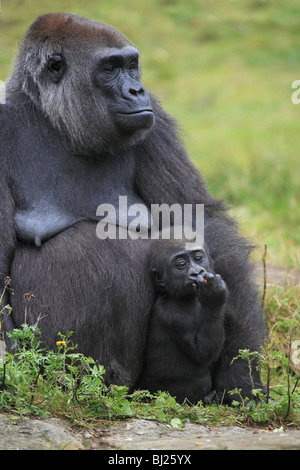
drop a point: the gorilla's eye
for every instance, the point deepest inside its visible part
(198, 257)
(132, 66)
(56, 67)
(180, 264)
(109, 68)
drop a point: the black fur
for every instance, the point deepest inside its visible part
(186, 329)
(63, 152)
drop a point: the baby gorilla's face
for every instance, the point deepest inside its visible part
(186, 268)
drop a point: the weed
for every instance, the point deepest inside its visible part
(40, 382)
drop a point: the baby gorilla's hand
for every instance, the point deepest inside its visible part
(212, 290)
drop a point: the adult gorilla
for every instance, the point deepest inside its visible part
(78, 129)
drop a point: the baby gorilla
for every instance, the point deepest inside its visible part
(186, 329)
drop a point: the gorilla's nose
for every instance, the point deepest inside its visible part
(202, 271)
(196, 271)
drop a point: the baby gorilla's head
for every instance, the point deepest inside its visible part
(176, 269)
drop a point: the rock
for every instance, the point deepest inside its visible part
(138, 434)
(34, 434)
(149, 435)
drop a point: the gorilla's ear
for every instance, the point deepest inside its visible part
(56, 67)
(157, 281)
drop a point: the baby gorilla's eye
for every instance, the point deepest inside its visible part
(180, 264)
(198, 257)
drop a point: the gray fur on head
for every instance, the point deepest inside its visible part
(71, 104)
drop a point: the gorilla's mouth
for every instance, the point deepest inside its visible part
(140, 111)
(200, 278)
(134, 120)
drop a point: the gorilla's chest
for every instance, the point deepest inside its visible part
(53, 191)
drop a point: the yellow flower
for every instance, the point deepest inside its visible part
(59, 343)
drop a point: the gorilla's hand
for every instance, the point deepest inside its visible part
(212, 289)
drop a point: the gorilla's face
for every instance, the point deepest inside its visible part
(117, 79)
(177, 270)
(113, 78)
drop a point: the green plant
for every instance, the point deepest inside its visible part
(36, 378)
(280, 372)
(39, 382)
(261, 407)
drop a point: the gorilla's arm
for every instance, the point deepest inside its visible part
(7, 230)
(43, 218)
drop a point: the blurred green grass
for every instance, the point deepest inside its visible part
(223, 69)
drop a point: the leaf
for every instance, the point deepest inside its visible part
(176, 423)
(126, 409)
